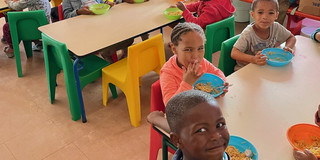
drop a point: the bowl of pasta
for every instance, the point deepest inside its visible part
(210, 83)
(99, 8)
(241, 149)
(305, 136)
(172, 13)
(277, 57)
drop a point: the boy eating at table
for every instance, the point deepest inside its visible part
(263, 33)
(196, 125)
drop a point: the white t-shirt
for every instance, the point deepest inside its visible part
(250, 43)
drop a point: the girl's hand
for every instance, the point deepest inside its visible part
(181, 6)
(84, 11)
(289, 49)
(226, 84)
(109, 3)
(192, 73)
(305, 155)
(260, 59)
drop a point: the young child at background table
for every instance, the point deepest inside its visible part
(187, 64)
(306, 154)
(196, 126)
(32, 5)
(316, 35)
(208, 11)
(263, 33)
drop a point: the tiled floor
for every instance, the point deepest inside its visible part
(34, 129)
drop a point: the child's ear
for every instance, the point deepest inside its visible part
(251, 14)
(175, 139)
(173, 48)
(277, 14)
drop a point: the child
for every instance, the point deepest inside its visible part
(187, 64)
(20, 5)
(208, 11)
(316, 35)
(261, 34)
(197, 126)
(306, 154)
(73, 8)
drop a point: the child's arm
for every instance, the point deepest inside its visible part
(258, 59)
(305, 155)
(157, 118)
(317, 116)
(17, 5)
(208, 16)
(290, 43)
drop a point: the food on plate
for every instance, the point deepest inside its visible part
(235, 154)
(175, 13)
(206, 88)
(314, 147)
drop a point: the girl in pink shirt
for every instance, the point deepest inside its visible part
(208, 11)
(187, 64)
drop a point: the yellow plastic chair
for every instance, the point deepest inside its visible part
(142, 58)
(56, 3)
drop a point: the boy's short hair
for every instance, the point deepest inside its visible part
(179, 104)
(183, 28)
(255, 2)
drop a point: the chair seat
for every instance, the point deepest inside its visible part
(93, 62)
(117, 72)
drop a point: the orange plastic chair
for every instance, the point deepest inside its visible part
(142, 58)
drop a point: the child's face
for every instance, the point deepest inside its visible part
(190, 49)
(203, 134)
(264, 14)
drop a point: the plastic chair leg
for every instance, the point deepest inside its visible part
(113, 90)
(104, 90)
(16, 51)
(133, 101)
(52, 76)
(155, 144)
(28, 48)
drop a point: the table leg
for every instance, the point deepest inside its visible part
(76, 70)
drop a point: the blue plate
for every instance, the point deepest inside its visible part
(277, 57)
(214, 81)
(242, 144)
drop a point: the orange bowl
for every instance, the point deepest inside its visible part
(302, 132)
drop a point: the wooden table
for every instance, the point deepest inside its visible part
(86, 34)
(4, 7)
(265, 101)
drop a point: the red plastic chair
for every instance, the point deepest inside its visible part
(156, 105)
(60, 11)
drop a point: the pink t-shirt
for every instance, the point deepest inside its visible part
(208, 12)
(171, 77)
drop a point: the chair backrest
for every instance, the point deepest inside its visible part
(55, 3)
(24, 25)
(60, 12)
(216, 33)
(226, 63)
(156, 97)
(146, 56)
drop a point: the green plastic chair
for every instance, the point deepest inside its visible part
(56, 57)
(216, 33)
(24, 27)
(226, 63)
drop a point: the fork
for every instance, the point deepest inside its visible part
(223, 87)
